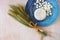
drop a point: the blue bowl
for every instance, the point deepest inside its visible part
(30, 8)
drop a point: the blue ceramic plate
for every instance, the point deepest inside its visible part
(30, 9)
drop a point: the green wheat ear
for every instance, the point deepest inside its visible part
(19, 14)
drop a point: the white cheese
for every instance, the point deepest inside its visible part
(43, 9)
(40, 14)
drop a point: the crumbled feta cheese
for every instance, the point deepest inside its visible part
(37, 1)
(47, 14)
(37, 6)
(50, 14)
(46, 6)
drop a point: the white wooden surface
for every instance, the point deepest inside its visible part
(10, 29)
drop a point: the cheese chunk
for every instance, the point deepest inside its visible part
(40, 14)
